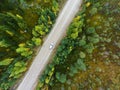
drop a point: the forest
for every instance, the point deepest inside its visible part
(88, 57)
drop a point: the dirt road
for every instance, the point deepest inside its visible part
(41, 60)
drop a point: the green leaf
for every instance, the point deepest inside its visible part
(18, 69)
(57, 75)
(82, 55)
(73, 69)
(81, 64)
(21, 49)
(89, 48)
(35, 33)
(93, 11)
(61, 77)
(3, 43)
(74, 35)
(93, 40)
(82, 42)
(22, 69)
(37, 41)
(6, 61)
(18, 64)
(90, 30)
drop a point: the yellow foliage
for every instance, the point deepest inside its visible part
(10, 33)
(77, 18)
(21, 44)
(47, 80)
(20, 17)
(88, 4)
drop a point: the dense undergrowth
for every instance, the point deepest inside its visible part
(22, 28)
(90, 37)
(87, 58)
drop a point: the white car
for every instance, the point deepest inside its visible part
(51, 46)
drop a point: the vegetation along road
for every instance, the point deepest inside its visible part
(41, 60)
